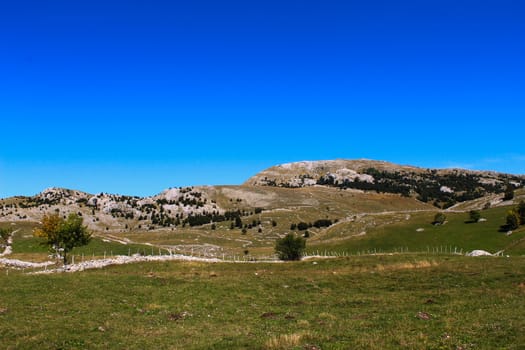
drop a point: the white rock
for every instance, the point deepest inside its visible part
(446, 189)
(479, 252)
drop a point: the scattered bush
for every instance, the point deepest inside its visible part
(290, 247)
(474, 216)
(512, 220)
(302, 226)
(439, 219)
(521, 212)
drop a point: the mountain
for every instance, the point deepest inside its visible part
(340, 205)
(442, 187)
(340, 187)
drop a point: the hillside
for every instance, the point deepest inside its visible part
(441, 187)
(341, 206)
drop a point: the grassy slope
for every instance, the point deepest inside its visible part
(402, 233)
(282, 205)
(385, 230)
(28, 248)
(350, 303)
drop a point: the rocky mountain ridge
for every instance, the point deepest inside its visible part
(194, 206)
(442, 187)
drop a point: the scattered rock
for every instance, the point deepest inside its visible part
(101, 329)
(420, 229)
(424, 316)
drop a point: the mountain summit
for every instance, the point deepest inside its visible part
(442, 187)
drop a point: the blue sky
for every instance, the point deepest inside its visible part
(133, 97)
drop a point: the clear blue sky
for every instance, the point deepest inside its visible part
(133, 97)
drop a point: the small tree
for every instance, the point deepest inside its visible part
(5, 233)
(290, 247)
(512, 220)
(509, 192)
(521, 212)
(302, 226)
(62, 235)
(439, 219)
(474, 215)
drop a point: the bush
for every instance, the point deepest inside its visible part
(474, 215)
(302, 226)
(322, 223)
(509, 192)
(521, 212)
(513, 220)
(439, 219)
(290, 247)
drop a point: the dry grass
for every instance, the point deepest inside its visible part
(286, 341)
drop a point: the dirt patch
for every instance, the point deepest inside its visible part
(252, 198)
(269, 315)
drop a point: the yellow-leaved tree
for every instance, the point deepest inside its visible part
(62, 235)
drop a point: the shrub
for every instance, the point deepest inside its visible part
(509, 192)
(290, 247)
(439, 219)
(512, 219)
(474, 215)
(302, 226)
(322, 223)
(521, 212)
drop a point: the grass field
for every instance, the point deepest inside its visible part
(29, 248)
(415, 233)
(374, 302)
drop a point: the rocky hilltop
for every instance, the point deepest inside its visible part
(344, 185)
(442, 187)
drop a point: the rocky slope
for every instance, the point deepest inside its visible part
(345, 186)
(442, 187)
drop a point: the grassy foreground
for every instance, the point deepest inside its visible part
(371, 302)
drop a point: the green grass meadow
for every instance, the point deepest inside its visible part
(371, 302)
(403, 235)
